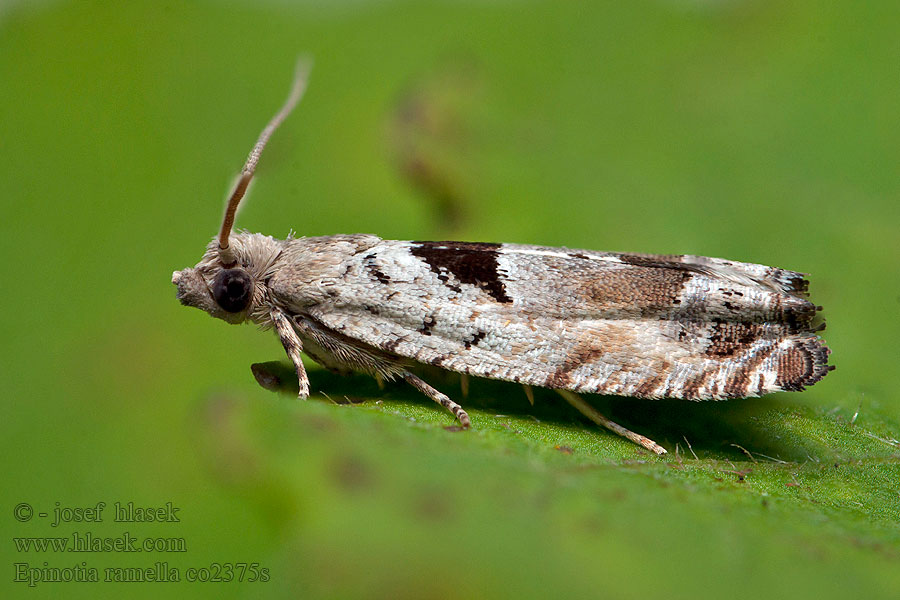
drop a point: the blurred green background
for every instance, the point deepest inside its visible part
(754, 130)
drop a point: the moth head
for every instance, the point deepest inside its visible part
(226, 294)
(226, 283)
(232, 293)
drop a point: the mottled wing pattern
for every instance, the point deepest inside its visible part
(627, 324)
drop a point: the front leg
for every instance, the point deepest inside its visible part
(293, 346)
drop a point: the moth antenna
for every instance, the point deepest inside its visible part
(301, 76)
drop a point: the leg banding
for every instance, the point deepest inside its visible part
(293, 346)
(438, 397)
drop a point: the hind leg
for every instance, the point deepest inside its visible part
(438, 397)
(594, 415)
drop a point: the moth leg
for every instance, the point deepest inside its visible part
(529, 393)
(438, 397)
(293, 346)
(591, 413)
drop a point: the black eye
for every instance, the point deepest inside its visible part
(232, 290)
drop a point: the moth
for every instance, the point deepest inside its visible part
(577, 321)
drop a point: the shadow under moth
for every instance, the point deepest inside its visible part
(577, 321)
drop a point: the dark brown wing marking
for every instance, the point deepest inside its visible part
(472, 263)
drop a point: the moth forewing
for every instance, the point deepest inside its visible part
(577, 321)
(502, 311)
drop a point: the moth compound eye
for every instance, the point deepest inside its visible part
(232, 290)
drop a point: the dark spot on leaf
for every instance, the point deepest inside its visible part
(351, 474)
